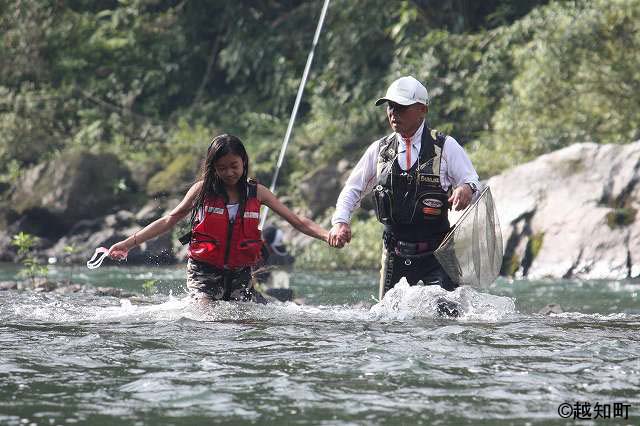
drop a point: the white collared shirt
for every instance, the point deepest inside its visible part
(455, 169)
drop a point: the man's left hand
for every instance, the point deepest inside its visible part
(461, 197)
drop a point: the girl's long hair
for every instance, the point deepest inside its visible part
(212, 185)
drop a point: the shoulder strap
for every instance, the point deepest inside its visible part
(387, 148)
(252, 188)
(438, 137)
(252, 192)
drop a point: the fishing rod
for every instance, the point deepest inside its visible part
(294, 112)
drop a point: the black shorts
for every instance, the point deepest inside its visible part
(204, 280)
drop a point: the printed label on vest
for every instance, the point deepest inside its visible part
(215, 210)
(429, 179)
(252, 215)
(430, 202)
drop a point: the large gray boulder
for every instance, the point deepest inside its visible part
(572, 213)
(51, 197)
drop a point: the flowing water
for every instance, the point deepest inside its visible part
(341, 358)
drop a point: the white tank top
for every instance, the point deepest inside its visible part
(233, 211)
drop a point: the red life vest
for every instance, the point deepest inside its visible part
(226, 245)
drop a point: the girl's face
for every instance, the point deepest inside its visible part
(229, 168)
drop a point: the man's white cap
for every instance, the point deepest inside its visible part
(406, 91)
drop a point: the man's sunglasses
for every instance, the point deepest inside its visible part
(392, 106)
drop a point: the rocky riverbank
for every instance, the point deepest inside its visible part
(44, 285)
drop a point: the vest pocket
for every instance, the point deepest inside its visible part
(382, 198)
(205, 248)
(248, 252)
(432, 206)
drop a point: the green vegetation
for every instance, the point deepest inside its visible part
(511, 265)
(573, 81)
(535, 244)
(620, 217)
(149, 287)
(364, 251)
(31, 266)
(150, 80)
(69, 250)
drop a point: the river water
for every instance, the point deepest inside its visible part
(341, 358)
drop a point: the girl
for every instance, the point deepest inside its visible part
(225, 241)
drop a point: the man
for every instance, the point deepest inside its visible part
(416, 175)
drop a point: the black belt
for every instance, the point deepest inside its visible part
(410, 249)
(414, 250)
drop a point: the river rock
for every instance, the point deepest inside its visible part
(572, 213)
(109, 291)
(8, 252)
(69, 288)
(76, 186)
(8, 285)
(44, 286)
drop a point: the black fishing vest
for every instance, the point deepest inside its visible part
(412, 204)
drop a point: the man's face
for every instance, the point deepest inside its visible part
(405, 119)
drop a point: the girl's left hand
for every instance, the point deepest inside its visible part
(119, 251)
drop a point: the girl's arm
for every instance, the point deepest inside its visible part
(302, 224)
(119, 250)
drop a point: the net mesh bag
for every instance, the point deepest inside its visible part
(471, 253)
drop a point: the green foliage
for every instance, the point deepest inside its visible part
(149, 287)
(570, 85)
(69, 250)
(364, 251)
(24, 242)
(621, 217)
(120, 77)
(535, 244)
(511, 265)
(178, 174)
(31, 267)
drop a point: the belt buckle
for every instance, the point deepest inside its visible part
(404, 248)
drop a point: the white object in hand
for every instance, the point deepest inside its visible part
(97, 258)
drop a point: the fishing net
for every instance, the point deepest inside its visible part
(471, 253)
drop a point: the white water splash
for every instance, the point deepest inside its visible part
(405, 302)
(579, 316)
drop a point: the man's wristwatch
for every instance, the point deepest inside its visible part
(473, 187)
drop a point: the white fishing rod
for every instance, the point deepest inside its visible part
(294, 112)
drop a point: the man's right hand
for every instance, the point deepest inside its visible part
(339, 235)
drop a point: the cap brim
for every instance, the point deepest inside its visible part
(399, 100)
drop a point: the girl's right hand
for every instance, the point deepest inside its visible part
(118, 251)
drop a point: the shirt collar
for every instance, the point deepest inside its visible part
(416, 138)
